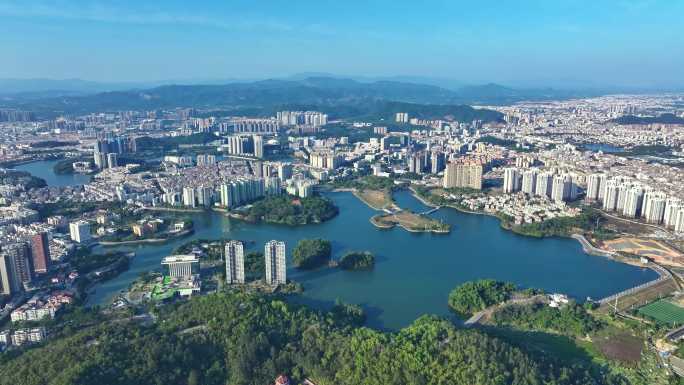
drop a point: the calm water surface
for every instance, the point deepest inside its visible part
(44, 170)
(414, 272)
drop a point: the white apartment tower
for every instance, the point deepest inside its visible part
(274, 254)
(633, 202)
(189, 197)
(654, 207)
(529, 181)
(235, 262)
(79, 231)
(594, 187)
(679, 222)
(544, 184)
(562, 188)
(611, 195)
(672, 206)
(511, 181)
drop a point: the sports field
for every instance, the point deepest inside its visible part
(664, 312)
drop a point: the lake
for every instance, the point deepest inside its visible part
(44, 169)
(603, 147)
(414, 272)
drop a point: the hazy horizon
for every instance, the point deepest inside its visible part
(524, 44)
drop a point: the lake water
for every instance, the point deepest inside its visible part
(414, 272)
(44, 169)
(603, 147)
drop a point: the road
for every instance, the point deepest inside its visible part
(477, 317)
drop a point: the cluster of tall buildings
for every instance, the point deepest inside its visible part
(205, 160)
(634, 199)
(106, 151)
(328, 160)
(198, 196)
(274, 259)
(424, 161)
(16, 116)
(534, 182)
(305, 118)
(246, 189)
(464, 174)
(401, 117)
(246, 145)
(269, 179)
(21, 259)
(270, 126)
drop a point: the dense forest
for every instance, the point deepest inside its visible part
(238, 339)
(292, 211)
(357, 260)
(473, 296)
(311, 253)
(571, 319)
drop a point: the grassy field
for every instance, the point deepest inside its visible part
(642, 297)
(409, 221)
(663, 311)
(377, 199)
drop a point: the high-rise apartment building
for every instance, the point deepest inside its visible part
(594, 187)
(562, 188)
(258, 141)
(654, 206)
(437, 162)
(79, 231)
(401, 117)
(529, 181)
(610, 197)
(189, 197)
(274, 255)
(544, 184)
(672, 206)
(512, 180)
(17, 267)
(463, 175)
(235, 262)
(633, 202)
(325, 160)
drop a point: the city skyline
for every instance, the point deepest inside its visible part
(572, 44)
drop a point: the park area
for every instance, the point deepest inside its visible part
(376, 199)
(410, 221)
(663, 311)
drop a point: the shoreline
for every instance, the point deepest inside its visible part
(172, 209)
(392, 205)
(374, 221)
(150, 240)
(587, 246)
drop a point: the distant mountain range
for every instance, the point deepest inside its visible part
(325, 93)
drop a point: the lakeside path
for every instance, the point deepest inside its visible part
(663, 273)
(477, 317)
(152, 240)
(172, 209)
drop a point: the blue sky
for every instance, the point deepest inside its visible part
(617, 42)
